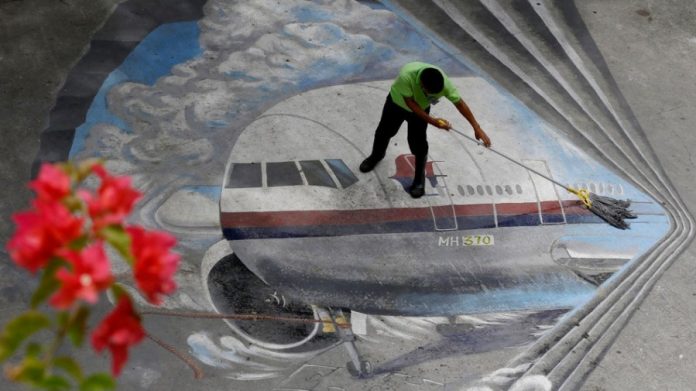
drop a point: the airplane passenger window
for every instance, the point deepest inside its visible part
(283, 174)
(498, 189)
(488, 190)
(593, 188)
(479, 189)
(600, 188)
(470, 189)
(344, 175)
(316, 174)
(610, 189)
(460, 189)
(508, 189)
(519, 189)
(245, 175)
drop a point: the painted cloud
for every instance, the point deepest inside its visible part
(255, 53)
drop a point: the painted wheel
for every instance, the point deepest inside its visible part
(364, 372)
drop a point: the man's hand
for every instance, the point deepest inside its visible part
(482, 136)
(442, 123)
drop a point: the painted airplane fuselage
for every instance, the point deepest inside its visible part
(301, 216)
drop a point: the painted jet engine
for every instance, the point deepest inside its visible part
(487, 236)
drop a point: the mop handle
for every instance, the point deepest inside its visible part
(512, 160)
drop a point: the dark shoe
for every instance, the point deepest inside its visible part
(368, 164)
(418, 186)
(417, 190)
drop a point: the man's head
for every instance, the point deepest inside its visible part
(432, 81)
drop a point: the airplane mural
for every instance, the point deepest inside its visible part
(244, 122)
(480, 241)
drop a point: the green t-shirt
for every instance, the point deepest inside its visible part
(407, 85)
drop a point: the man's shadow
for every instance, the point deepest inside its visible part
(460, 339)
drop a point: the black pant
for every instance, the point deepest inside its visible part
(392, 118)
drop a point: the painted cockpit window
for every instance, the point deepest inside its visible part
(283, 174)
(344, 175)
(290, 173)
(245, 175)
(316, 174)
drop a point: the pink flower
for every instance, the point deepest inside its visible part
(41, 232)
(154, 264)
(52, 184)
(90, 274)
(117, 332)
(114, 200)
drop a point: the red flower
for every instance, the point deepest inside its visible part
(119, 330)
(41, 232)
(90, 274)
(114, 200)
(154, 265)
(52, 183)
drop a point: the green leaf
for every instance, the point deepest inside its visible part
(118, 291)
(119, 239)
(98, 382)
(47, 285)
(19, 329)
(63, 318)
(54, 382)
(34, 350)
(80, 243)
(69, 365)
(78, 325)
(31, 370)
(84, 168)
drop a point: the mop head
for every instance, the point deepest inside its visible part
(614, 212)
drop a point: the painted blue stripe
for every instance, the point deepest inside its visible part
(463, 223)
(326, 230)
(518, 220)
(583, 219)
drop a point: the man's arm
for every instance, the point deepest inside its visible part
(437, 122)
(478, 132)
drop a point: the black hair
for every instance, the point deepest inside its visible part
(432, 80)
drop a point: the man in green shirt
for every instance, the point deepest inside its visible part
(418, 86)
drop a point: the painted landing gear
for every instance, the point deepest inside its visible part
(236, 290)
(364, 372)
(356, 366)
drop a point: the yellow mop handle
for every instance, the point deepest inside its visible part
(583, 194)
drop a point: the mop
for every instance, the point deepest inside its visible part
(609, 209)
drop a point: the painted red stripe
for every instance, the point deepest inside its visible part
(304, 218)
(516, 208)
(372, 216)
